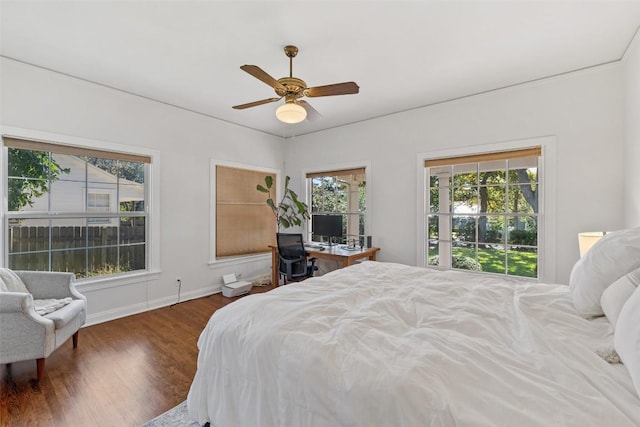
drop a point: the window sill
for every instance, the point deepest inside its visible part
(92, 284)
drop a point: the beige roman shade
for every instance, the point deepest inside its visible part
(485, 157)
(244, 222)
(25, 144)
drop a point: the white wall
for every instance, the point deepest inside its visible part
(632, 135)
(582, 110)
(43, 101)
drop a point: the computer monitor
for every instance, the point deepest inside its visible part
(327, 225)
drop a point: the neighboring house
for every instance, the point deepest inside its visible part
(86, 188)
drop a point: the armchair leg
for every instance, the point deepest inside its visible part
(40, 363)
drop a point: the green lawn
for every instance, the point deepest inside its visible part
(520, 263)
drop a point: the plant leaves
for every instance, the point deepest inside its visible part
(271, 204)
(290, 211)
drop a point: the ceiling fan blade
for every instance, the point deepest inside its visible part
(346, 88)
(256, 103)
(312, 113)
(262, 75)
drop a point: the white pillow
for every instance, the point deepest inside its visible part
(612, 257)
(10, 282)
(626, 337)
(616, 295)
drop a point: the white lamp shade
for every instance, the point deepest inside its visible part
(291, 113)
(588, 239)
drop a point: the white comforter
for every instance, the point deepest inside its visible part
(381, 344)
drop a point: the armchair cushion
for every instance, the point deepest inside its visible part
(11, 282)
(65, 315)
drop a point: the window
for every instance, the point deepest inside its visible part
(75, 209)
(244, 223)
(483, 212)
(98, 202)
(340, 192)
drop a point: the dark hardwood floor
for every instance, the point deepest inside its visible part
(123, 373)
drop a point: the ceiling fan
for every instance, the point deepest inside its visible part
(292, 89)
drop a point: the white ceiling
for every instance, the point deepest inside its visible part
(402, 54)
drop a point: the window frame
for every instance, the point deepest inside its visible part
(308, 186)
(546, 201)
(235, 259)
(152, 207)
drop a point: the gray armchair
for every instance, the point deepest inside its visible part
(25, 334)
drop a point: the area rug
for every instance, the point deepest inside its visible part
(174, 417)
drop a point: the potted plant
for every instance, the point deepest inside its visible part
(290, 211)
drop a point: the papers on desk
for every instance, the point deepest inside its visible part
(314, 247)
(319, 247)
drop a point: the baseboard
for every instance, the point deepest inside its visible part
(129, 310)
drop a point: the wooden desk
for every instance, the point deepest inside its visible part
(345, 256)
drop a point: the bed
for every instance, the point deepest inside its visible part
(385, 344)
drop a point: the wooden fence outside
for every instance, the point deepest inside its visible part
(86, 251)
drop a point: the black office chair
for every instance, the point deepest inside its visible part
(293, 264)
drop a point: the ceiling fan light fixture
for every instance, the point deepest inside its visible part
(292, 89)
(291, 113)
